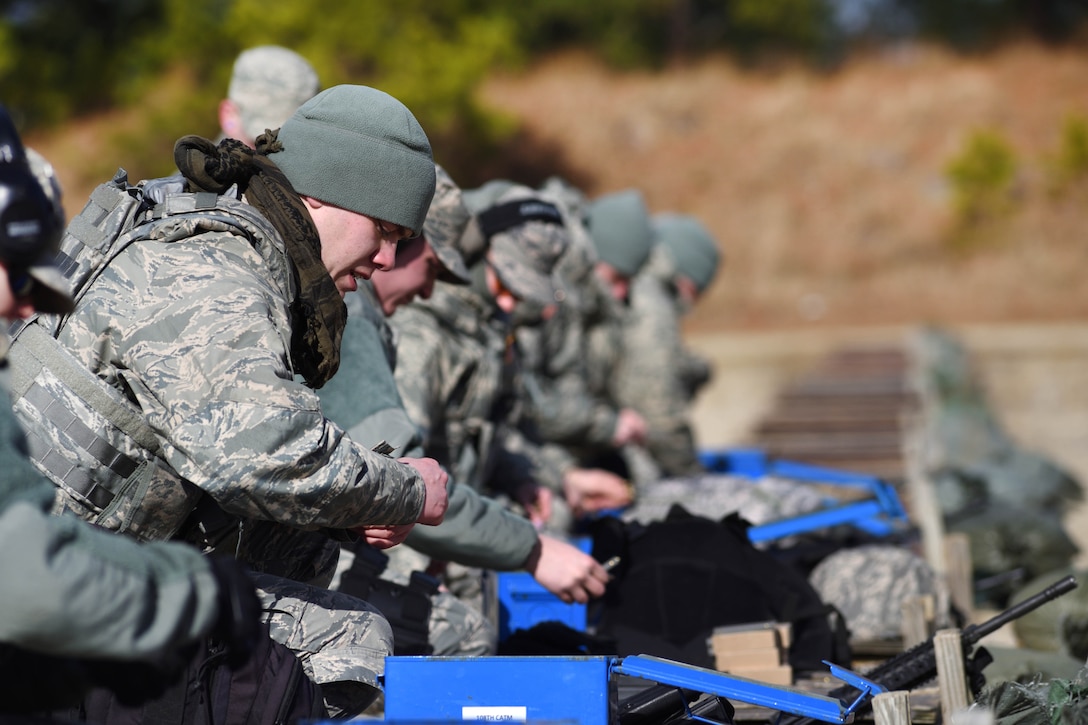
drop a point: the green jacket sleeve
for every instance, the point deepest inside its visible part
(77, 591)
(363, 398)
(477, 531)
(199, 335)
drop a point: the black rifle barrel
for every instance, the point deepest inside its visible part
(918, 664)
(973, 633)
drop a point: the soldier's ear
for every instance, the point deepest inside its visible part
(230, 119)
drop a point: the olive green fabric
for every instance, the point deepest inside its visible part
(620, 227)
(690, 246)
(360, 149)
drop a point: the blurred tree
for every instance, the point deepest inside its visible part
(72, 55)
(981, 176)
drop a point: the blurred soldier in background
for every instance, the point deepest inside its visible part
(457, 368)
(571, 356)
(268, 83)
(659, 375)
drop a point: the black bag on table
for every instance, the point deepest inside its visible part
(680, 578)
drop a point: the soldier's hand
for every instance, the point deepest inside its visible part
(537, 502)
(631, 427)
(566, 571)
(593, 489)
(435, 480)
(384, 537)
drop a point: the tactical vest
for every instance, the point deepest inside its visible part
(84, 434)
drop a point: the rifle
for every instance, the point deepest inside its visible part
(918, 665)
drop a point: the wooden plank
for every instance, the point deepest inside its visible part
(892, 708)
(951, 673)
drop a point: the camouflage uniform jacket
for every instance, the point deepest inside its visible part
(362, 398)
(72, 590)
(650, 379)
(569, 359)
(457, 375)
(192, 327)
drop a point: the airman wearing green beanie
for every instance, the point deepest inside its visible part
(227, 310)
(660, 376)
(623, 236)
(690, 247)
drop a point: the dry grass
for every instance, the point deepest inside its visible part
(827, 192)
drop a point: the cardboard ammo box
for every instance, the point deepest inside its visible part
(758, 651)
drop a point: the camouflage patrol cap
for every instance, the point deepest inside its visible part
(573, 198)
(690, 246)
(480, 198)
(620, 227)
(268, 84)
(868, 585)
(576, 265)
(524, 254)
(445, 224)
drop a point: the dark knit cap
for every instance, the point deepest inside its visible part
(360, 149)
(690, 246)
(620, 227)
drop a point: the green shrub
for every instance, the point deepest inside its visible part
(981, 177)
(1069, 163)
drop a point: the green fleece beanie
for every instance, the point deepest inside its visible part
(689, 245)
(620, 227)
(362, 150)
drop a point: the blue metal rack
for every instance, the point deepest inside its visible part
(880, 512)
(522, 602)
(579, 689)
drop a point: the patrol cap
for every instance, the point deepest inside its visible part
(573, 198)
(445, 224)
(31, 221)
(268, 84)
(690, 246)
(483, 197)
(619, 225)
(527, 237)
(473, 243)
(360, 149)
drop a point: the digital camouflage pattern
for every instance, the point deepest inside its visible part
(650, 380)
(453, 373)
(715, 496)
(444, 226)
(565, 366)
(268, 83)
(456, 627)
(342, 641)
(75, 591)
(525, 256)
(868, 585)
(193, 328)
(364, 399)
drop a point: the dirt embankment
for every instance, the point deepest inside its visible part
(827, 192)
